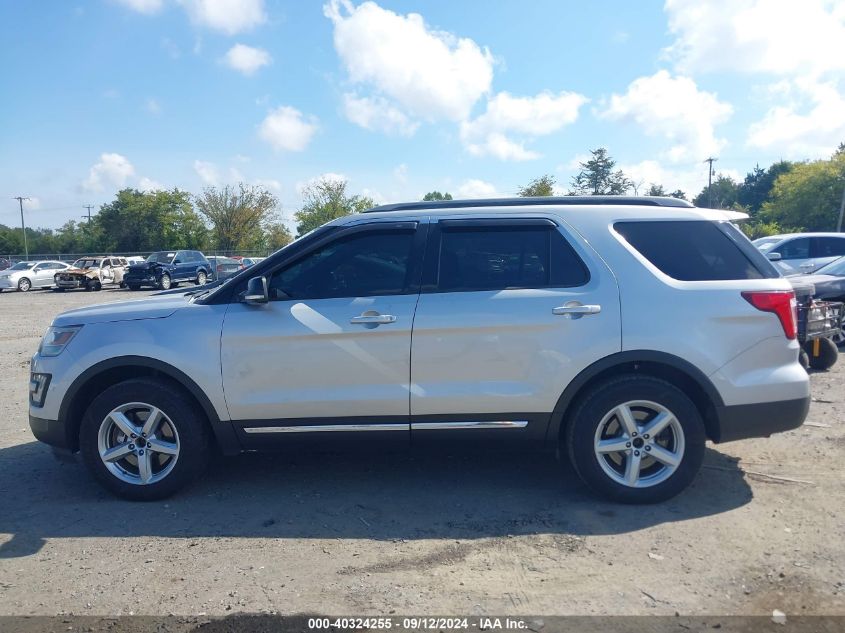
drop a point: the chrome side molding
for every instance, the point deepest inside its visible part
(486, 424)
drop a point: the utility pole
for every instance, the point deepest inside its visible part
(710, 160)
(89, 207)
(20, 200)
(841, 212)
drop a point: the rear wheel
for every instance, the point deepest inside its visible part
(24, 285)
(636, 439)
(143, 440)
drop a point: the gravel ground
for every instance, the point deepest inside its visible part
(423, 534)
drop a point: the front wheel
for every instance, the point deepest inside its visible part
(94, 285)
(636, 439)
(164, 283)
(202, 278)
(24, 285)
(142, 439)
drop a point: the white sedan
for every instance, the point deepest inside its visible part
(24, 276)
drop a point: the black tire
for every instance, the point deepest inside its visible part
(202, 278)
(164, 283)
(95, 285)
(825, 356)
(24, 284)
(804, 359)
(599, 401)
(193, 432)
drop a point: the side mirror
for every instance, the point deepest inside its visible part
(256, 291)
(774, 257)
(36, 270)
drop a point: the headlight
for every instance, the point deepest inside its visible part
(56, 339)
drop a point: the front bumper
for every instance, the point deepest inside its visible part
(51, 432)
(743, 421)
(140, 280)
(6, 283)
(70, 283)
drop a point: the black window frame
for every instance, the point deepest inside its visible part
(412, 275)
(815, 245)
(431, 266)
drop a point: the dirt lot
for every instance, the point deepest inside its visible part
(417, 534)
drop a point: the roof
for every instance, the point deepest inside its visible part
(648, 201)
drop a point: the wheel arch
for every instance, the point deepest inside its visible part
(675, 370)
(109, 372)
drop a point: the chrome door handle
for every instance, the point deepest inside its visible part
(373, 319)
(577, 309)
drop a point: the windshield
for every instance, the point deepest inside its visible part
(23, 266)
(765, 243)
(162, 257)
(86, 263)
(836, 267)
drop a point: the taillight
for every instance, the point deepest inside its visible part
(780, 302)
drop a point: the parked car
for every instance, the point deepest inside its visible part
(224, 267)
(802, 252)
(92, 273)
(251, 261)
(4, 264)
(24, 276)
(134, 259)
(165, 269)
(621, 332)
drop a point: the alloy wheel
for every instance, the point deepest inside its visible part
(639, 444)
(138, 443)
(24, 285)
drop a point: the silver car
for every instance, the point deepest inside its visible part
(25, 276)
(620, 332)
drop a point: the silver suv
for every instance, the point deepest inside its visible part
(623, 332)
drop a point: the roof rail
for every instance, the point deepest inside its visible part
(648, 201)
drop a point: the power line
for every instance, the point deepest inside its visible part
(710, 160)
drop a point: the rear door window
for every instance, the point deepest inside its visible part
(490, 257)
(828, 246)
(696, 250)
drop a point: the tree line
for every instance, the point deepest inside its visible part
(783, 197)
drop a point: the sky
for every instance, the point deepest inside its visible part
(472, 97)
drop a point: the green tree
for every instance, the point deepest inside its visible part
(656, 190)
(327, 200)
(755, 190)
(725, 191)
(436, 195)
(539, 187)
(808, 196)
(597, 177)
(756, 230)
(138, 221)
(238, 215)
(680, 195)
(278, 235)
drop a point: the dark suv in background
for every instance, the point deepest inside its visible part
(165, 269)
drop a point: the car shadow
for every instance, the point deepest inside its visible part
(331, 495)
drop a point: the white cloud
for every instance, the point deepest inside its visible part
(268, 183)
(401, 173)
(227, 16)
(774, 36)
(673, 108)
(475, 188)
(207, 172)
(152, 106)
(147, 7)
(531, 117)
(111, 170)
(431, 74)
(378, 114)
(688, 180)
(285, 128)
(171, 47)
(148, 184)
(810, 124)
(32, 204)
(246, 59)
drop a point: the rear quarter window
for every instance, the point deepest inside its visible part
(693, 250)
